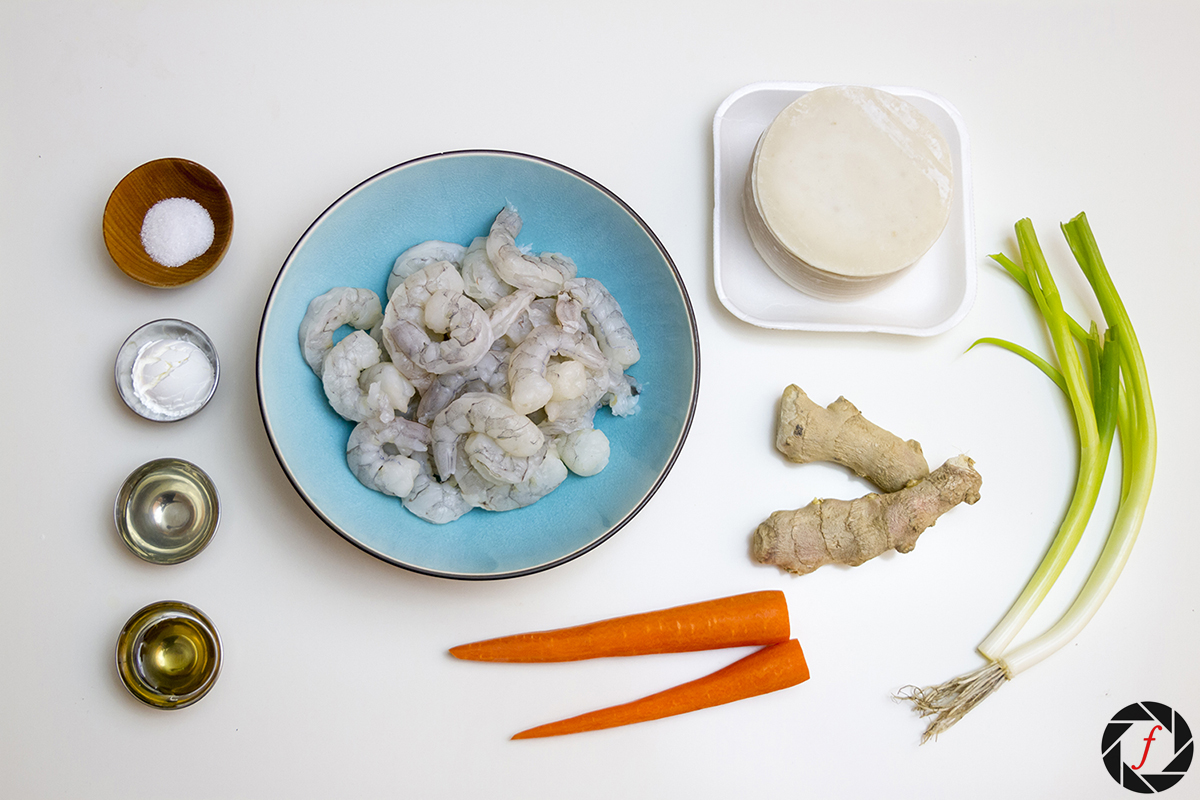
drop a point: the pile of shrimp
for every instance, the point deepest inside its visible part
(477, 385)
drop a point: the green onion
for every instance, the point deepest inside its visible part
(1109, 393)
(1093, 459)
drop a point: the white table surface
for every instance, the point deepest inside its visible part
(336, 681)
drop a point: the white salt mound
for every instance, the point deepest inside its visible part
(176, 230)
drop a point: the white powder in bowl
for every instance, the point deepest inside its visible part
(172, 377)
(176, 230)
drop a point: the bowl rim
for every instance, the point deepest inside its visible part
(652, 490)
(125, 495)
(170, 277)
(124, 381)
(132, 631)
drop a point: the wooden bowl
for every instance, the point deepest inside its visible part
(137, 192)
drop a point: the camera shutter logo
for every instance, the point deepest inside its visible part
(1147, 747)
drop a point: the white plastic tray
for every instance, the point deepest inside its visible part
(931, 297)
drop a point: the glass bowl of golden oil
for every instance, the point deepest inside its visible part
(167, 511)
(169, 654)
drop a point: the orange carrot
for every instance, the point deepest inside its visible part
(757, 618)
(767, 670)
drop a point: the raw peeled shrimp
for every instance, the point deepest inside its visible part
(432, 300)
(585, 452)
(568, 380)
(610, 387)
(489, 375)
(340, 374)
(508, 309)
(540, 312)
(545, 273)
(387, 390)
(569, 313)
(482, 284)
(622, 396)
(343, 305)
(380, 455)
(478, 491)
(527, 370)
(498, 466)
(488, 414)
(432, 500)
(444, 391)
(608, 324)
(568, 416)
(419, 377)
(465, 329)
(422, 255)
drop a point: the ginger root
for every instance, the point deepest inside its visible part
(853, 531)
(841, 434)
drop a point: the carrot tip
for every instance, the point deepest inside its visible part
(770, 669)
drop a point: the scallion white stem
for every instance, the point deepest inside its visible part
(1139, 439)
(1092, 458)
(1118, 398)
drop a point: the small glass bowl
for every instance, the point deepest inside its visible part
(167, 511)
(169, 654)
(171, 329)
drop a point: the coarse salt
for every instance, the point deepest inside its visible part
(176, 230)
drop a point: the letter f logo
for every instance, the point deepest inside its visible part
(1146, 752)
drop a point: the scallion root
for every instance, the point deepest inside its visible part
(949, 702)
(1104, 376)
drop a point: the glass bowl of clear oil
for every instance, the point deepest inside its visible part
(169, 654)
(167, 511)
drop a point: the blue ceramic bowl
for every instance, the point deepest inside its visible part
(454, 197)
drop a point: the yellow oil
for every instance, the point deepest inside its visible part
(169, 655)
(174, 657)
